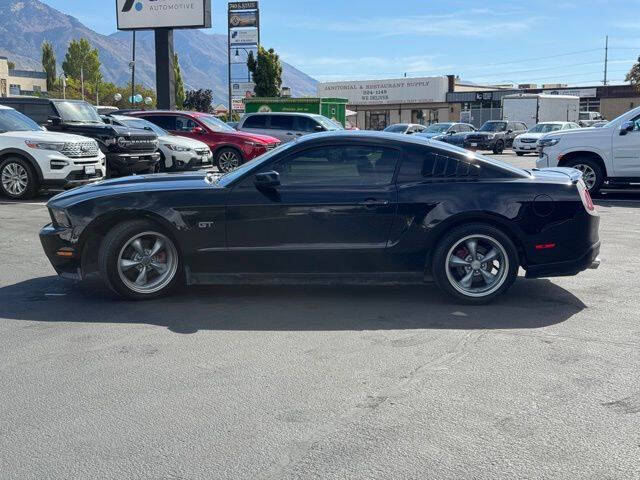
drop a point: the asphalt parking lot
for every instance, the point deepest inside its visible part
(320, 382)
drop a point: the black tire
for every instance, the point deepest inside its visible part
(594, 187)
(499, 147)
(520, 154)
(109, 256)
(222, 157)
(16, 166)
(441, 255)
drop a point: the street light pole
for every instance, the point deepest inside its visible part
(133, 68)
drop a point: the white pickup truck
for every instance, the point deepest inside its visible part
(610, 154)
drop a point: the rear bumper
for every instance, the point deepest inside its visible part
(589, 259)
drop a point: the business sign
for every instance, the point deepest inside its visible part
(243, 6)
(386, 92)
(240, 89)
(243, 19)
(148, 14)
(576, 92)
(244, 37)
(237, 105)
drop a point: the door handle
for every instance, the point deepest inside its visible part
(373, 203)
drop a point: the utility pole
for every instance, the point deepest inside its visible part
(606, 58)
(230, 110)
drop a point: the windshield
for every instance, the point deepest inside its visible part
(399, 128)
(329, 124)
(143, 125)
(494, 127)
(546, 128)
(215, 124)
(13, 121)
(584, 116)
(80, 112)
(246, 167)
(438, 128)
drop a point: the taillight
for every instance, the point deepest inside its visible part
(585, 196)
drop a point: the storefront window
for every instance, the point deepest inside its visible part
(377, 119)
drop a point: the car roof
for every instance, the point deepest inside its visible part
(306, 114)
(170, 112)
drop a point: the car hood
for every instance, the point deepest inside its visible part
(532, 136)
(254, 137)
(158, 182)
(581, 132)
(183, 142)
(430, 134)
(42, 136)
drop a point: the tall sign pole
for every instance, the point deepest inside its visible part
(230, 109)
(162, 18)
(243, 34)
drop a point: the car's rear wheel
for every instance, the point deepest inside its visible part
(475, 263)
(499, 147)
(228, 159)
(17, 179)
(138, 260)
(592, 173)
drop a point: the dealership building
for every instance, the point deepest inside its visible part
(376, 104)
(20, 82)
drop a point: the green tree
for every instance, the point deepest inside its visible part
(180, 95)
(49, 64)
(11, 65)
(199, 100)
(80, 56)
(633, 76)
(266, 71)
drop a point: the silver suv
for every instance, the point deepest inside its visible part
(286, 126)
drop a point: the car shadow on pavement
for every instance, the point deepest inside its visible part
(529, 304)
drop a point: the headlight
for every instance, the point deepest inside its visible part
(253, 144)
(548, 142)
(122, 142)
(490, 136)
(60, 217)
(111, 141)
(57, 146)
(176, 148)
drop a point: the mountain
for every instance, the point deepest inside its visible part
(203, 57)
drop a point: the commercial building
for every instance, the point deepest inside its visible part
(20, 82)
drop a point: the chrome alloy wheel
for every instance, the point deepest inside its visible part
(147, 262)
(228, 161)
(477, 265)
(588, 175)
(14, 178)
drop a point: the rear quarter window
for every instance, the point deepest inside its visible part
(255, 121)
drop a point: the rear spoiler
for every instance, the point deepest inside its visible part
(574, 175)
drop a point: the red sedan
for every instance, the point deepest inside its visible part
(230, 147)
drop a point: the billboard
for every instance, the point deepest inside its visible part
(240, 89)
(385, 92)
(149, 14)
(243, 19)
(243, 6)
(244, 37)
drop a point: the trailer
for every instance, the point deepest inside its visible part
(533, 108)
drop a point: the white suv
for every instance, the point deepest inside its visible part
(32, 158)
(608, 154)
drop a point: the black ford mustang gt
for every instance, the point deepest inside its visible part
(332, 207)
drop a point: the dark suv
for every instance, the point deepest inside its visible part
(495, 135)
(127, 150)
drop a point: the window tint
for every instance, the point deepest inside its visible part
(255, 121)
(282, 122)
(306, 124)
(423, 163)
(168, 122)
(339, 165)
(185, 124)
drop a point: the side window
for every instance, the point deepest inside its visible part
(511, 126)
(423, 163)
(255, 121)
(168, 122)
(522, 126)
(282, 122)
(185, 124)
(306, 124)
(338, 165)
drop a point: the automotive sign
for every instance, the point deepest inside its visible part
(148, 14)
(244, 37)
(384, 92)
(243, 19)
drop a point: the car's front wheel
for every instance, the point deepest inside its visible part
(592, 173)
(17, 179)
(228, 159)
(138, 260)
(499, 147)
(475, 263)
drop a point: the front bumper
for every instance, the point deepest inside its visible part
(190, 160)
(525, 147)
(479, 144)
(65, 259)
(126, 163)
(586, 261)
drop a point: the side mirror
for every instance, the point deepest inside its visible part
(509, 131)
(319, 128)
(198, 130)
(267, 180)
(54, 120)
(626, 127)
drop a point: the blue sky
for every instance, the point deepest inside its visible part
(488, 42)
